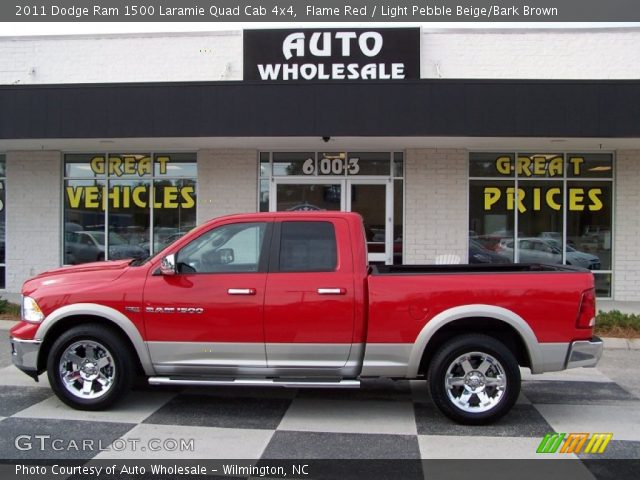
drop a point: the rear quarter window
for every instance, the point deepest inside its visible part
(307, 247)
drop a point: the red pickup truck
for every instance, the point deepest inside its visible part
(288, 299)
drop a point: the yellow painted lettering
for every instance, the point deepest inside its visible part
(539, 165)
(596, 202)
(551, 193)
(511, 197)
(503, 165)
(521, 195)
(524, 166)
(129, 165)
(91, 197)
(556, 167)
(162, 161)
(491, 196)
(576, 162)
(114, 197)
(145, 166)
(576, 197)
(115, 164)
(97, 165)
(536, 200)
(74, 194)
(170, 197)
(137, 200)
(187, 195)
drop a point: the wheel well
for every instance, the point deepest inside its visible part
(74, 320)
(501, 331)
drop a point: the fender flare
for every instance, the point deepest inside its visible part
(469, 311)
(111, 316)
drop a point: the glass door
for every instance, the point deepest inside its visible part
(373, 199)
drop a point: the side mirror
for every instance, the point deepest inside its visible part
(168, 265)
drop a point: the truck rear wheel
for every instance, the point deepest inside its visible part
(90, 367)
(474, 379)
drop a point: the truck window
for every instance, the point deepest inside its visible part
(226, 249)
(307, 247)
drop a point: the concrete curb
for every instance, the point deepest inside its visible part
(609, 343)
(621, 343)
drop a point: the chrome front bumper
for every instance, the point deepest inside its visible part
(585, 353)
(24, 354)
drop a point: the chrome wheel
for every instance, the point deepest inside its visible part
(87, 369)
(475, 382)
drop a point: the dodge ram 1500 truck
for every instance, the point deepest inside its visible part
(288, 299)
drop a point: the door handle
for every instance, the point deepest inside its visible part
(332, 291)
(241, 291)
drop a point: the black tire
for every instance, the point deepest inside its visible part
(98, 343)
(460, 401)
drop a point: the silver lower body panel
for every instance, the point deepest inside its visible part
(24, 354)
(585, 353)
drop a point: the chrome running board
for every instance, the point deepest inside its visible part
(259, 382)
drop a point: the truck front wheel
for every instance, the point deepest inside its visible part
(474, 379)
(90, 367)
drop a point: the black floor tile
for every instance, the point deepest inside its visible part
(221, 411)
(521, 421)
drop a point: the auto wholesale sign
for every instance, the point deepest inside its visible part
(354, 54)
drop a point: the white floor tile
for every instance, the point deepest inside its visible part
(134, 408)
(622, 421)
(13, 376)
(468, 447)
(207, 442)
(350, 416)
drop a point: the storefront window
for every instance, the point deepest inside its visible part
(2, 222)
(126, 205)
(542, 208)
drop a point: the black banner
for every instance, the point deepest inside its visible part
(332, 54)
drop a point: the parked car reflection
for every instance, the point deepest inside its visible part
(547, 250)
(89, 246)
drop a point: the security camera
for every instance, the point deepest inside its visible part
(326, 138)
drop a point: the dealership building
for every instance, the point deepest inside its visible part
(470, 145)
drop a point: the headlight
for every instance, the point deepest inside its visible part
(31, 311)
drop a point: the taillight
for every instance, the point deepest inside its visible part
(587, 312)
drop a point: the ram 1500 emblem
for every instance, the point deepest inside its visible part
(174, 310)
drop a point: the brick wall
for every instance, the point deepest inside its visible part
(436, 210)
(227, 182)
(209, 56)
(626, 262)
(515, 53)
(122, 58)
(33, 214)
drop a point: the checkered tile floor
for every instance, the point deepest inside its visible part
(384, 419)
